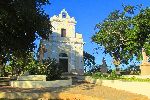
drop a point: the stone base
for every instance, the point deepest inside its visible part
(145, 69)
(40, 84)
(32, 78)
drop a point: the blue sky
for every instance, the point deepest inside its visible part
(87, 14)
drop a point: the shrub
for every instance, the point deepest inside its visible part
(131, 70)
(114, 76)
(53, 69)
(49, 67)
(97, 75)
(134, 79)
(37, 69)
(88, 74)
(111, 76)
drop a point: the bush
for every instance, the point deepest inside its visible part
(53, 69)
(37, 69)
(111, 76)
(49, 67)
(134, 79)
(114, 76)
(19, 65)
(131, 70)
(88, 74)
(97, 75)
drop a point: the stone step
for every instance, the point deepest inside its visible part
(4, 78)
(4, 81)
(77, 79)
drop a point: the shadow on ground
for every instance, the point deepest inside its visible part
(78, 91)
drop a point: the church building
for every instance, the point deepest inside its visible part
(64, 44)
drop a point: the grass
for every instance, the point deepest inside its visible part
(114, 76)
(134, 79)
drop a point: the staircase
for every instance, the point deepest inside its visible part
(76, 79)
(4, 81)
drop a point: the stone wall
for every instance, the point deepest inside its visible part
(32, 78)
(40, 84)
(145, 69)
(142, 88)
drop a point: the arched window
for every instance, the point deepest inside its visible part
(63, 55)
(64, 15)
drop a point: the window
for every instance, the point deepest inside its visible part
(63, 15)
(63, 55)
(63, 32)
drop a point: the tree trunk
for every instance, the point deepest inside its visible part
(1, 67)
(0, 70)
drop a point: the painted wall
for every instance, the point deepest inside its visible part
(133, 87)
(72, 44)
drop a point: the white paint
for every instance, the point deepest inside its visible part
(142, 88)
(32, 78)
(40, 84)
(72, 44)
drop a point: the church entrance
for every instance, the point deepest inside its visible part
(63, 60)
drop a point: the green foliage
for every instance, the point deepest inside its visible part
(134, 79)
(49, 67)
(114, 76)
(124, 33)
(94, 69)
(131, 70)
(19, 65)
(87, 73)
(97, 68)
(53, 69)
(111, 76)
(97, 75)
(89, 60)
(20, 23)
(37, 69)
(8, 68)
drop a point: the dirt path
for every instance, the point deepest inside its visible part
(78, 91)
(104, 92)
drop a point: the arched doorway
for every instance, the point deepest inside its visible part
(63, 60)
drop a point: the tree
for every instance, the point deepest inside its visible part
(124, 33)
(131, 70)
(19, 65)
(89, 60)
(20, 23)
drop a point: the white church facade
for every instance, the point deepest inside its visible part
(64, 44)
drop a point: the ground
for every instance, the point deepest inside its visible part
(79, 91)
